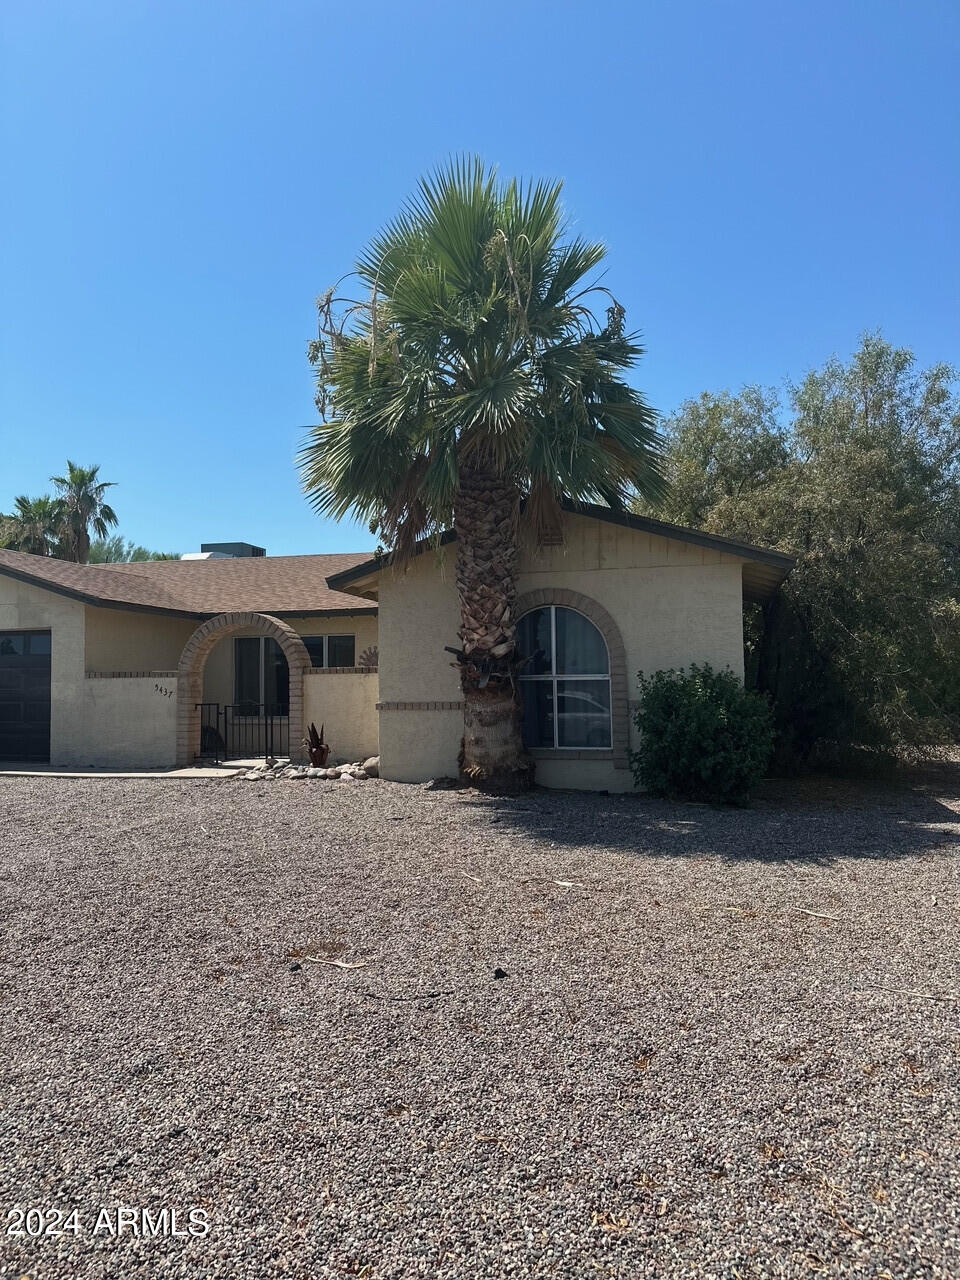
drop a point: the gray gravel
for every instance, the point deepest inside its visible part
(681, 1073)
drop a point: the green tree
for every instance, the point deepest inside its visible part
(858, 475)
(83, 499)
(120, 550)
(472, 388)
(35, 525)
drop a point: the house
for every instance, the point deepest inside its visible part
(149, 664)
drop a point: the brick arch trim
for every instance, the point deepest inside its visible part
(601, 619)
(194, 659)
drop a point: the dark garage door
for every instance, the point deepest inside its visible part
(24, 695)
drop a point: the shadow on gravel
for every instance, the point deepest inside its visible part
(818, 819)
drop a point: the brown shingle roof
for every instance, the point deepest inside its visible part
(197, 588)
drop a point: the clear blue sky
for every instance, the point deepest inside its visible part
(182, 179)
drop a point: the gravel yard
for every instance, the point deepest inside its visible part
(681, 1073)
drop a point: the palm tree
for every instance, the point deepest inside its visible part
(36, 525)
(474, 388)
(82, 497)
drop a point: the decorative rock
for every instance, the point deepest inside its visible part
(361, 775)
(253, 776)
(347, 777)
(316, 773)
(372, 767)
(332, 774)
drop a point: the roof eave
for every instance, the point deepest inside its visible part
(98, 602)
(168, 611)
(743, 550)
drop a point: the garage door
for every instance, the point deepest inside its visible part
(24, 695)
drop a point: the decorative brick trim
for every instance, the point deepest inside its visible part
(601, 619)
(342, 671)
(194, 659)
(130, 675)
(419, 706)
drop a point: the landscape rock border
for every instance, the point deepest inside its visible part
(356, 771)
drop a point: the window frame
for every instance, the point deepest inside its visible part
(554, 677)
(325, 664)
(261, 702)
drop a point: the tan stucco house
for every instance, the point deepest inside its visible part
(151, 664)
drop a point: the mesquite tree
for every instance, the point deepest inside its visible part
(474, 388)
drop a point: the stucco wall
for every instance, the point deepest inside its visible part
(27, 608)
(419, 614)
(124, 640)
(673, 602)
(345, 703)
(218, 674)
(128, 723)
(421, 744)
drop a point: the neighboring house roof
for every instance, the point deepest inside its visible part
(763, 569)
(284, 585)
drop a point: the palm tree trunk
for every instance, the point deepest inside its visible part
(485, 521)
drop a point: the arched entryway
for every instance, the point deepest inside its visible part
(194, 658)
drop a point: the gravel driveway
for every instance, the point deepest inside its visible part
(685, 1071)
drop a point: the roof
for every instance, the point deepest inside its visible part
(284, 585)
(763, 570)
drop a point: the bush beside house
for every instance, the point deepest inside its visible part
(702, 735)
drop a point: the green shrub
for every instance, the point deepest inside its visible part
(702, 736)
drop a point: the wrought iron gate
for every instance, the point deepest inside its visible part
(243, 731)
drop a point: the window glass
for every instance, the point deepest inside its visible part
(583, 713)
(534, 642)
(537, 699)
(581, 650)
(314, 645)
(557, 711)
(11, 644)
(276, 679)
(246, 667)
(341, 651)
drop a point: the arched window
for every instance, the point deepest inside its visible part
(565, 684)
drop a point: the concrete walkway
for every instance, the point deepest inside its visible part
(220, 771)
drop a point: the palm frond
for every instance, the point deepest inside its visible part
(482, 341)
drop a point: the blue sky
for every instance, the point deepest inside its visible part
(182, 179)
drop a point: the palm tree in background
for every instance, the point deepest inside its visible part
(35, 525)
(474, 387)
(81, 495)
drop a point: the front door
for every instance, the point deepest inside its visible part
(25, 696)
